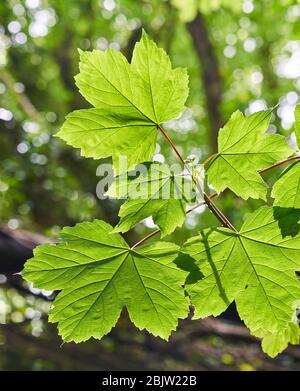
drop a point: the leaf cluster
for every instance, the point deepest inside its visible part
(96, 271)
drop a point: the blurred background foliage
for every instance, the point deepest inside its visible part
(242, 54)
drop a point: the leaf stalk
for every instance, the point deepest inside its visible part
(290, 159)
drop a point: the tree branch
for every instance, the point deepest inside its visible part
(210, 74)
(16, 247)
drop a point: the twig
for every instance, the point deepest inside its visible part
(290, 159)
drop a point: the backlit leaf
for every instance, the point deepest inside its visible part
(99, 275)
(243, 149)
(130, 101)
(159, 192)
(286, 189)
(256, 267)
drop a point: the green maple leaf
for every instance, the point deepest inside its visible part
(273, 344)
(244, 148)
(130, 101)
(99, 275)
(286, 190)
(255, 267)
(159, 192)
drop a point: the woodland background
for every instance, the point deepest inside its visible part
(239, 54)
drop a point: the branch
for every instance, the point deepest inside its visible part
(16, 247)
(47, 348)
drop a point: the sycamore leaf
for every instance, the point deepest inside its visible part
(99, 275)
(130, 100)
(159, 192)
(256, 267)
(273, 344)
(286, 190)
(101, 135)
(244, 148)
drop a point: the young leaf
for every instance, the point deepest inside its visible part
(255, 267)
(130, 100)
(244, 148)
(159, 193)
(99, 275)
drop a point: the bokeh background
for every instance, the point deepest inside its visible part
(240, 54)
